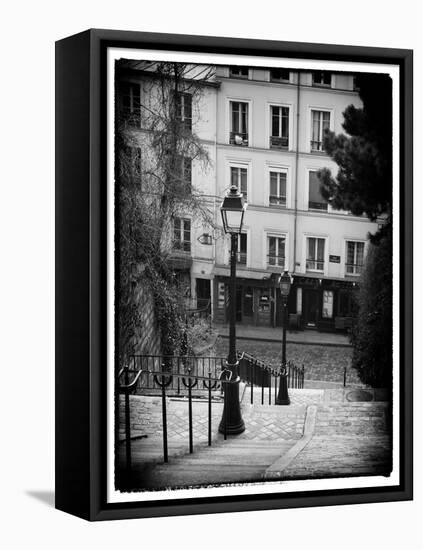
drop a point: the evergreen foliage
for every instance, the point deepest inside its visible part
(363, 185)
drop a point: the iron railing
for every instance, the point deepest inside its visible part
(185, 374)
(177, 365)
(257, 373)
(128, 379)
(279, 142)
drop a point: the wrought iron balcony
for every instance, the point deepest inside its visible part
(277, 142)
(277, 199)
(315, 265)
(353, 269)
(272, 259)
(317, 205)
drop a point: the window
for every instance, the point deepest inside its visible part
(279, 75)
(131, 103)
(184, 109)
(276, 251)
(239, 123)
(299, 300)
(279, 125)
(277, 188)
(264, 300)
(182, 234)
(315, 254)
(355, 258)
(221, 295)
(239, 179)
(327, 311)
(315, 198)
(238, 72)
(321, 78)
(184, 173)
(241, 256)
(320, 122)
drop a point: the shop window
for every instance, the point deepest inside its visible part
(344, 303)
(221, 295)
(327, 310)
(264, 301)
(299, 300)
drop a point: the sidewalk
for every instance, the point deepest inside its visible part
(270, 334)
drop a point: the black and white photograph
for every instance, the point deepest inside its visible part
(254, 220)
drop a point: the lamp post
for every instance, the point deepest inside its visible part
(285, 287)
(232, 210)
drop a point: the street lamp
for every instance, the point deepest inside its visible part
(285, 287)
(232, 210)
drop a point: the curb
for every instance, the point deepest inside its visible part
(276, 469)
(300, 343)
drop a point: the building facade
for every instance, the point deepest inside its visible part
(263, 130)
(270, 127)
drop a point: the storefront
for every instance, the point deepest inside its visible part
(314, 303)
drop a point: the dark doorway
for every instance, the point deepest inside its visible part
(247, 305)
(203, 294)
(311, 308)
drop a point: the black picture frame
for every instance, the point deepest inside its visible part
(81, 273)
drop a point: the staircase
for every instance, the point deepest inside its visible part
(232, 461)
(270, 432)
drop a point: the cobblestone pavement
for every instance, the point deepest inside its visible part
(321, 363)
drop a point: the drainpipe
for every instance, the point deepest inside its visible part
(296, 171)
(214, 195)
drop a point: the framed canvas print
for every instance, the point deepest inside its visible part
(233, 274)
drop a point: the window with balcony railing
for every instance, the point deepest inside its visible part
(182, 234)
(315, 254)
(277, 188)
(276, 251)
(130, 104)
(279, 127)
(320, 123)
(239, 123)
(241, 255)
(316, 201)
(355, 258)
(184, 110)
(239, 178)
